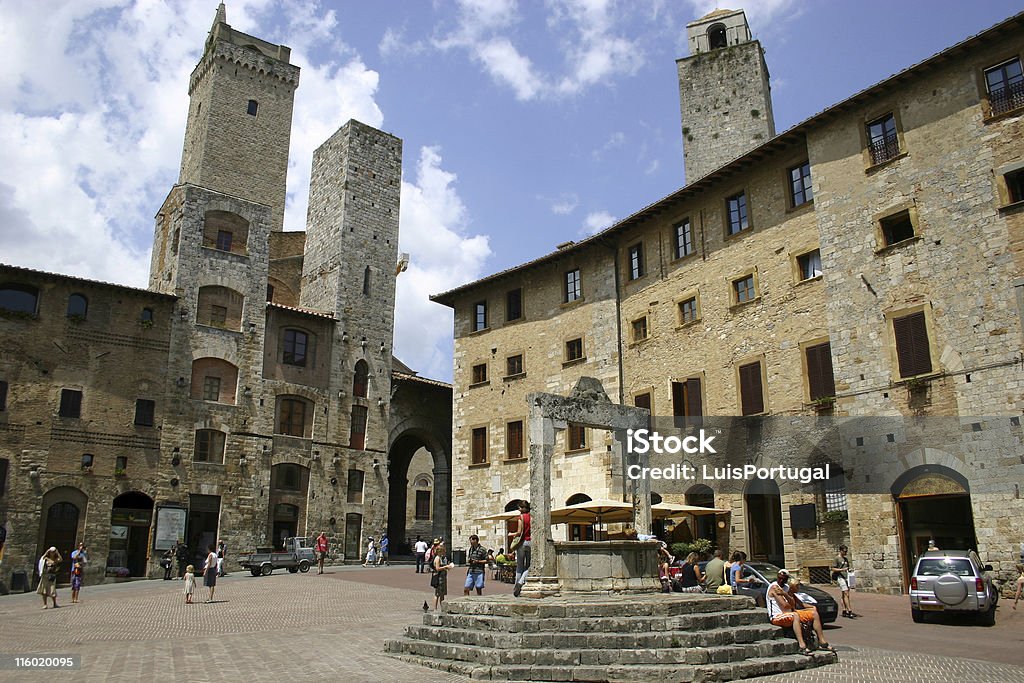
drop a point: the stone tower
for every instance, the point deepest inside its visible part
(239, 118)
(724, 96)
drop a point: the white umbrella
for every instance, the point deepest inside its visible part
(591, 510)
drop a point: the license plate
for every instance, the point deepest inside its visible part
(932, 608)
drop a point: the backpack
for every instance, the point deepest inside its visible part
(429, 559)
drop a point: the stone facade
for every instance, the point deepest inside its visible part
(799, 264)
(249, 394)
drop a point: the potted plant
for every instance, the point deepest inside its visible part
(119, 472)
(833, 516)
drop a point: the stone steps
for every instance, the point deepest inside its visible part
(624, 624)
(608, 606)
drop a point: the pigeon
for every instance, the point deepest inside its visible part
(426, 607)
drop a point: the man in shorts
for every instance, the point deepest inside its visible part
(841, 575)
(786, 610)
(476, 558)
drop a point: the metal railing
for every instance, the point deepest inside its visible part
(1007, 98)
(884, 148)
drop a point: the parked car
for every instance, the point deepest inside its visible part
(298, 556)
(952, 582)
(763, 573)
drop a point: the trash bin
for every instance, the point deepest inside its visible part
(459, 557)
(19, 582)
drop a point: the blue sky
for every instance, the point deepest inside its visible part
(526, 124)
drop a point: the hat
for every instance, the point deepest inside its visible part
(784, 572)
(436, 541)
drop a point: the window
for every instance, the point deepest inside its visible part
(717, 37)
(224, 240)
(683, 239)
(144, 411)
(834, 489)
(252, 108)
(361, 379)
(687, 401)
(291, 419)
(296, 342)
(19, 298)
(87, 460)
(736, 213)
(366, 281)
(479, 446)
(270, 292)
(4, 465)
(514, 365)
(640, 329)
(147, 315)
(514, 440)
(800, 191)
(70, 403)
(912, 352)
(288, 477)
(751, 389)
(355, 486)
(688, 312)
(573, 288)
(821, 382)
(218, 316)
(479, 373)
(744, 290)
(78, 306)
(1005, 85)
(1014, 186)
(423, 505)
(211, 388)
(636, 261)
(642, 401)
(897, 228)
(480, 316)
(3, 395)
(574, 350)
(883, 142)
(357, 432)
(576, 438)
(209, 446)
(121, 464)
(809, 264)
(514, 305)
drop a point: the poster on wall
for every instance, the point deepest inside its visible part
(170, 526)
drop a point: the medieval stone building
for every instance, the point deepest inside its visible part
(250, 393)
(859, 273)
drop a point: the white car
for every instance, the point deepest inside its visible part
(952, 581)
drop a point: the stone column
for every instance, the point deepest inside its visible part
(542, 574)
(441, 515)
(639, 489)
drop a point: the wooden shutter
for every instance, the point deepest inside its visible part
(694, 406)
(912, 345)
(642, 401)
(820, 377)
(515, 440)
(751, 392)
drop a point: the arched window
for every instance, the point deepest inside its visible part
(366, 281)
(214, 379)
(78, 306)
(716, 37)
(361, 381)
(578, 498)
(19, 298)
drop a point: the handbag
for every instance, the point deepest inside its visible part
(724, 589)
(435, 579)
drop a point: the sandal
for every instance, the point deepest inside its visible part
(805, 651)
(826, 646)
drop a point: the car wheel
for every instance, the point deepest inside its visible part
(917, 615)
(303, 566)
(266, 569)
(254, 572)
(988, 618)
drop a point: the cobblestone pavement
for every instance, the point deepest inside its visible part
(332, 627)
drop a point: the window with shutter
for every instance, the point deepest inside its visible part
(514, 440)
(686, 402)
(751, 390)
(912, 351)
(479, 446)
(820, 378)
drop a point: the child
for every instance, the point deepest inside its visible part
(190, 583)
(76, 580)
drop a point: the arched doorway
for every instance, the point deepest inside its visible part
(285, 522)
(580, 532)
(763, 506)
(704, 525)
(131, 516)
(289, 489)
(62, 518)
(932, 503)
(415, 452)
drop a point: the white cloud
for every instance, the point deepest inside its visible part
(616, 139)
(563, 204)
(595, 222)
(433, 230)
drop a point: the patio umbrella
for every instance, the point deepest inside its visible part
(663, 510)
(498, 517)
(594, 510)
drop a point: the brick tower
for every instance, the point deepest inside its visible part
(724, 96)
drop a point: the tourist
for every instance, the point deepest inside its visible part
(476, 558)
(714, 573)
(439, 580)
(167, 562)
(181, 554)
(521, 535)
(222, 551)
(1020, 585)
(210, 571)
(786, 610)
(690, 576)
(190, 583)
(321, 551)
(80, 554)
(385, 547)
(371, 553)
(420, 548)
(76, 580)
(736, 577)
(48, 565)
(664, 560)
(840, 574)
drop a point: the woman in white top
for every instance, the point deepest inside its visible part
(210, 570)
(371, 553)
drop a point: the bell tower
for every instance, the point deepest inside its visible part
(240, 117)
(725, 99)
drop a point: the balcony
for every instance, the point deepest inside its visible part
(1007, 98)
(884, 148)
